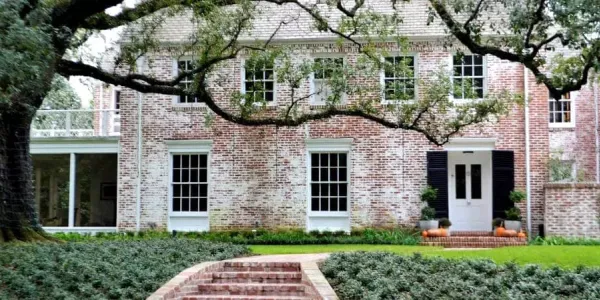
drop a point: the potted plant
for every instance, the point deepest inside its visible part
(497, 223)
(445, 226)
(428, 195)
(513, 215)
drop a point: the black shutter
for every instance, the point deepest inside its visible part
(503, 181)
(437, 177)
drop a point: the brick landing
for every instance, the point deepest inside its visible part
(473, 239)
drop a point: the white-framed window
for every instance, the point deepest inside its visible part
(258, 81)
(398, 78)
(561, 112)
(189, 182)
(468, 76)
(325, 70)
(329, 181)
(186, 65)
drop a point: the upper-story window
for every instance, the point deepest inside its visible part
(325, 70)
(399, 78)
(469, 78)
(186, 83)
(259, 81)
(561, 112)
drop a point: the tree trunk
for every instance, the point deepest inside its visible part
(18, 216)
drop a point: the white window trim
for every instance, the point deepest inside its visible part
(485, 78)
(313, 89)
(573, 114)
(175, 98)
(416, 60)
(343, 145)
(179, 147)
(243, 82)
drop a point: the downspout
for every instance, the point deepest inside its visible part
(596, 128)
(100, 105)
(138, 192)
(527, 150)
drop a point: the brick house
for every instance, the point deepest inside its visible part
(150, 161)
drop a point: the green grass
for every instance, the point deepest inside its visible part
(563, 256)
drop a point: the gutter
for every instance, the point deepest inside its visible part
(527, 150)
(596, 128)
(138, 192)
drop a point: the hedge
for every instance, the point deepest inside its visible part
(564, 241)
(103, 269)
(395, 236)
(377, 275)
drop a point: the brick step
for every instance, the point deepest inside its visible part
(473, 244)
(254, 289)
(474, 239)
(471, 233)
(244, 297)
(256, 277)
(261, 267)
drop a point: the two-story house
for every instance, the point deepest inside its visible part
(140, 161)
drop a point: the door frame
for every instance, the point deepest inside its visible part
(487, 193)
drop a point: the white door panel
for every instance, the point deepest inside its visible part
(470, 190)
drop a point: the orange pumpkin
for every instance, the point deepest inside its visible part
(424, 233)
(433, 232)
(510, 233)
(443, 232)
(500, 231)
(521, 235)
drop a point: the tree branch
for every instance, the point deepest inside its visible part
(473, 16)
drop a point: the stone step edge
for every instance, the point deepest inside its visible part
(252, 285)
(245, 297)
(250, 274)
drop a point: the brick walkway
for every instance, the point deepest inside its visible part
(269, 277)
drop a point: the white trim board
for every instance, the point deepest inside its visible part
(471, 144)
(343, 144)
(189, 146)
(74, 145)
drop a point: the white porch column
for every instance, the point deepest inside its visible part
(72, 190)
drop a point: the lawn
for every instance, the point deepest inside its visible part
(564, 256)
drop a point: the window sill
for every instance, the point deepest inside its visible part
(189, 214)
(328, 214)
(325, 106)
(189, 107)
(559, 126)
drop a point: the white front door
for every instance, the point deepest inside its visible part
(470, 190)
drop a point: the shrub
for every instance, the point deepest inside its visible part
(427, 213)
(445, 223)
(396, 236)
(429, 195)
(517, 196)
(106, 269)
(378, 275)
(513, 214)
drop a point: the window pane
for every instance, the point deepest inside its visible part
(203, 175)
(461, 182)
(176, 204)
(333, 159)
(185, 204)
(314, 189)
(194, 175)
(194, 204)
(343, 189)
(176, 175)
(479, 71)
(333, 204)
(176, 161)
(475, 181)
(343, 204)
(203, 204)
(343, 160)
(478, 59)
(314, 204)
(333, 174)
(185, 175)
(343, 175)
(468, 71)
(204, 190)
(314, 174)
(468, 59)
(51, 184)
(324, 204)
(176, 190)
(195, 161)
(314, 159)
(324, 189)
(204, 160)
(324, 175)
(324, 159)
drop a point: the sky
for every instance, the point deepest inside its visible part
(97, 45)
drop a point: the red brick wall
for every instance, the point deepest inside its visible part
(259, 173)
(572, 209)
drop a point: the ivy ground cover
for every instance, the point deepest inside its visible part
(380, 275)
(131, 269)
